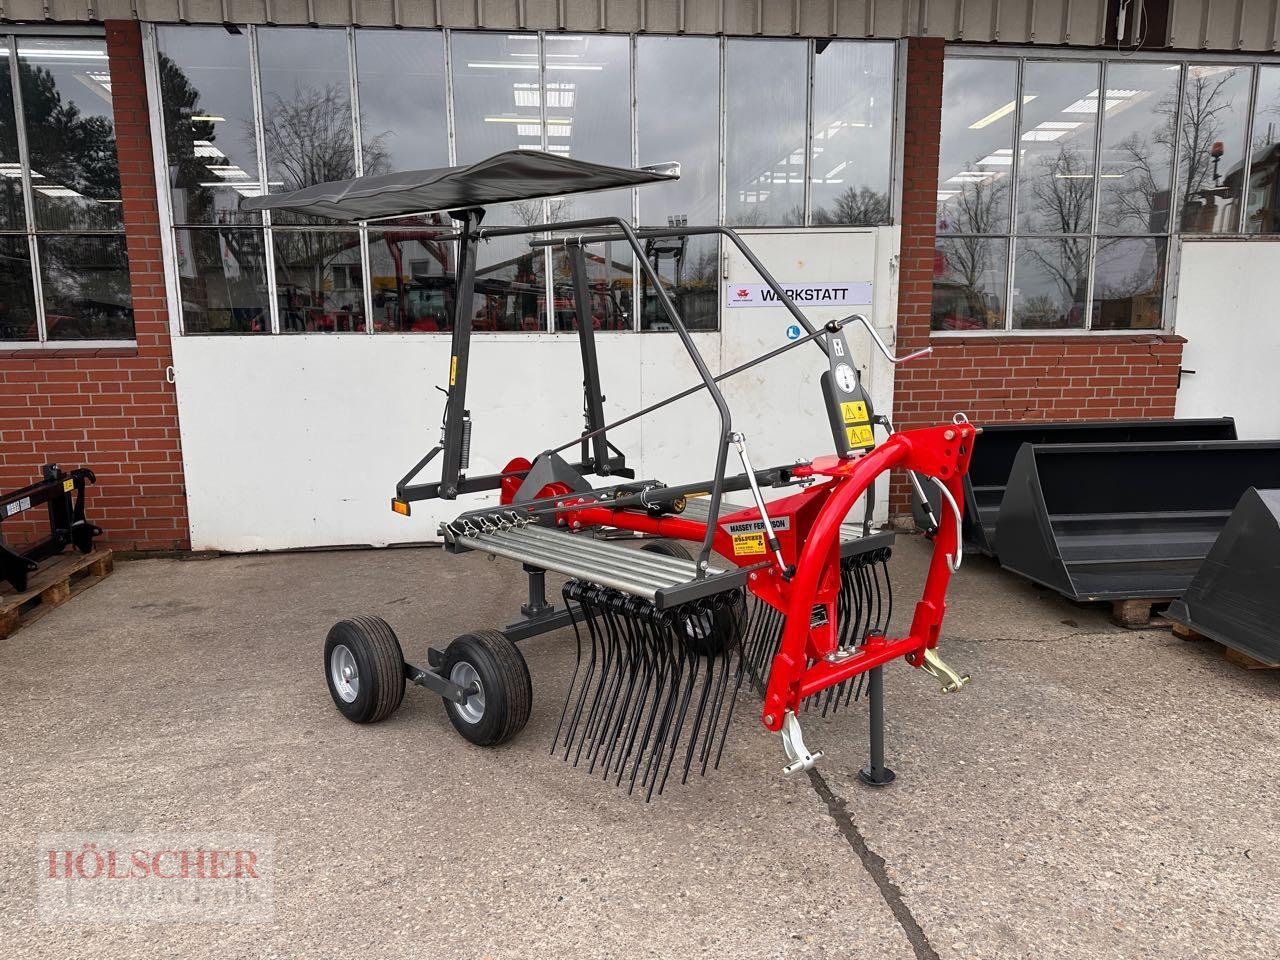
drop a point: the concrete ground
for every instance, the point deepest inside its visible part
(1094, 793)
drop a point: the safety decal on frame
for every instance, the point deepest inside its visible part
(453, 370)
(748, 544)
(68, 485)
(860, 436)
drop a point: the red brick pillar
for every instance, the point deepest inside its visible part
(922, 110)
(110, 409)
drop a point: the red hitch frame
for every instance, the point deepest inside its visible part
(807, 525)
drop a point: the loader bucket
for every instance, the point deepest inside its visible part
(1114, 521)
(994, 453)
(1235, 596)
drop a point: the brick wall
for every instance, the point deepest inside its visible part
(999, 378)
(110, 409)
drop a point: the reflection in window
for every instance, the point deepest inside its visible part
(85, 280)
(1215, 108)
(511, 287)
(71, 136)
(319, 281)
(1263, 201)
(678, 118)
(1128, 283)
(306, 111)
(12, 214)
(609, 287)
(1050, 283)
(1056, 144)
(496, 94)
(222, 277)
(412, 273)
(765, 128)
(969, 283)
(402, 103)
(976, 153)
(852, 133)
(17, 300)
(1137, 147)
(208, 124)
(689, 270)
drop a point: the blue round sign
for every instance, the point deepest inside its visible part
(793, 332)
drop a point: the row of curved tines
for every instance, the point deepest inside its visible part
(864, 608)
(643, 675)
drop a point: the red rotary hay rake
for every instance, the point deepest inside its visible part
(666, 637)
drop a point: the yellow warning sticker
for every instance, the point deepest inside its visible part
(453, 370)
(854, 411)
(68, 485)
(860, 436)
(748, 544)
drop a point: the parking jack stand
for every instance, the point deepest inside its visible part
(875, 773)
(537, 605)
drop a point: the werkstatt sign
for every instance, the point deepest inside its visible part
(804, 294)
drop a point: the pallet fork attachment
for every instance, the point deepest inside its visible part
(63, 494)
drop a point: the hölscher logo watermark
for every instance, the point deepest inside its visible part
(161, 877)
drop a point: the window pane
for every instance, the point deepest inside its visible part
(976, 152)
(306, 110)
(71, 134)
(969, 283)
(319, 281)
(413, 276)
(852, 133)
(208, 124)
(223, 279)
(1137, 147)
(511, 287)
(608, 283)
(1056, 146)
(1215, 107)
(689, 270)
(86, 288)
(678, 118)
(496, 94)
(402, 108)
(1128, 283)
(765, 106)
(12, 215)
(1264, 175)
(17, 299)
(1050, 283)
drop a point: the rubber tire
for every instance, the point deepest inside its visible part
(721, 637)
(508, 691)
(380, 664)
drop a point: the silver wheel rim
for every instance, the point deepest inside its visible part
(465, 676)
(344, 673)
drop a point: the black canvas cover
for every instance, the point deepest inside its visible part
(504, 177)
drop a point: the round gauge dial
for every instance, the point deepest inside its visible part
(846, 379)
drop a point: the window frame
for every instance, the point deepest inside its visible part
(31, 231)
(1172, 235)
(265, 226)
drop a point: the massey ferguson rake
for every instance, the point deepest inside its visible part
(783, 596)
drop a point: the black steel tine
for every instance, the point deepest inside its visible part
(733, 699)
(678, 727)
(555, 739)
(607, 699)
(676, 652)
(734, 641)
(607, 647)
(583, 694)
(633, 671)
(662, 655)
(650, 669)
(707, 684)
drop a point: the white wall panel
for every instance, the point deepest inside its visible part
(298, 441)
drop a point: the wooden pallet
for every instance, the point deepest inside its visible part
(56, 582)
(1136, 613)
(1229, 654)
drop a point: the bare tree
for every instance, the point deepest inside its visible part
(860, 207)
